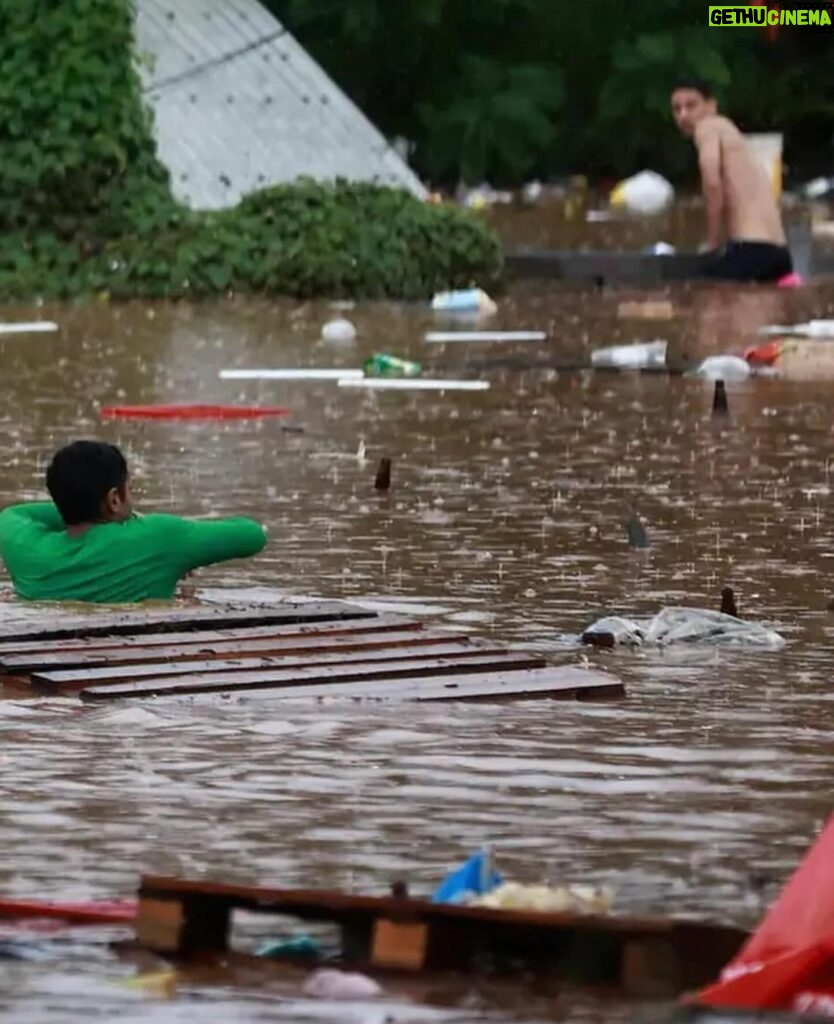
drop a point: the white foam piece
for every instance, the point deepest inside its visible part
(36, 327)
(411, 384)
(277, 374)
(447, 336)
(813, 329)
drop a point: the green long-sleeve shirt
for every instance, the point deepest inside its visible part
(139, 559)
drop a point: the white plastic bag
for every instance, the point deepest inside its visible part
(646, 193)
(686, 625)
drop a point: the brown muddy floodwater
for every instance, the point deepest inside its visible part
(505, 519)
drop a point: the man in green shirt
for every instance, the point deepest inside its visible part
(91, 546)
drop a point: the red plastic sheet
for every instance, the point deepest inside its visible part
(192, 412)
(790, 958)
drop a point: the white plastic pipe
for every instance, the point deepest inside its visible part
(419, 384)
(37, 327)
(311, 374)
(447, 336)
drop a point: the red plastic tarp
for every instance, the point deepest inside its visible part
(192, 412)
(96, 912)
(789, 960)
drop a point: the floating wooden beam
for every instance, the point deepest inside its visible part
(216, 682)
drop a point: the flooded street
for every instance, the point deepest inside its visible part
(696, 795)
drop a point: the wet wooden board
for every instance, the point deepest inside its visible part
(640, 954)
(550, 683)
(395, 647)
(217, 682)
(359, 634)
(170, 619)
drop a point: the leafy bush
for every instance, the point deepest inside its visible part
(86, 206)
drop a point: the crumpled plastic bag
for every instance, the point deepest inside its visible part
(544, 899)
(686, 625)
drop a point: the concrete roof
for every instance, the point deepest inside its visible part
(239, 105)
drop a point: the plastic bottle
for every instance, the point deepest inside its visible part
(634, 357)
(384, 365)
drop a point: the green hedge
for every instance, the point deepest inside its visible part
(86, 206)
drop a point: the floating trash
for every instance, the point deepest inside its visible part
(641, 355)
(384, 365)
(37, 327)
(399, 384)
(545, 899)
(646, 193)
(681, 625)
(301, 374)
(469, 300)
(338, 331)
(723, 368)
(647, 309)
(444, 337)
(333, 984)
(192, 412)
(660, 249)
(812, 329)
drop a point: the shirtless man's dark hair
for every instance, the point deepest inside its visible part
(700, 85)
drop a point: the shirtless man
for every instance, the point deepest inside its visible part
(744, 228)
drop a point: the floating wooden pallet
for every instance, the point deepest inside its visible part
(299, 652)
(644, 955)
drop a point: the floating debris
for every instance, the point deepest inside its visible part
(338, 331)
(394, 384)
(637, 536)
(294, 374)
(682, 625)
(333, 984)
(444, 337)
(383, 476)
(469, 300)
(720, 404)
(631, 357)
(36, 327)
(646, 193)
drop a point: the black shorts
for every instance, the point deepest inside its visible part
(749, 261)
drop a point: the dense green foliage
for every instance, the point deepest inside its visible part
(86, 207)
(508, 89)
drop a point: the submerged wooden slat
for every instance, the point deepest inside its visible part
(201, 646)
(201, 635)
(218, 682)
(397, 647)
(537, 683)
(164, 620)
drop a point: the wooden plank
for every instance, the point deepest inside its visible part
(202, 646)
(334, 906)
(157, 621)
(218, 682)
(550, 682)
(402, 933)
(553, 682)
(402, 648)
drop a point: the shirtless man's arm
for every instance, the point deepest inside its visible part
(708, 141)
